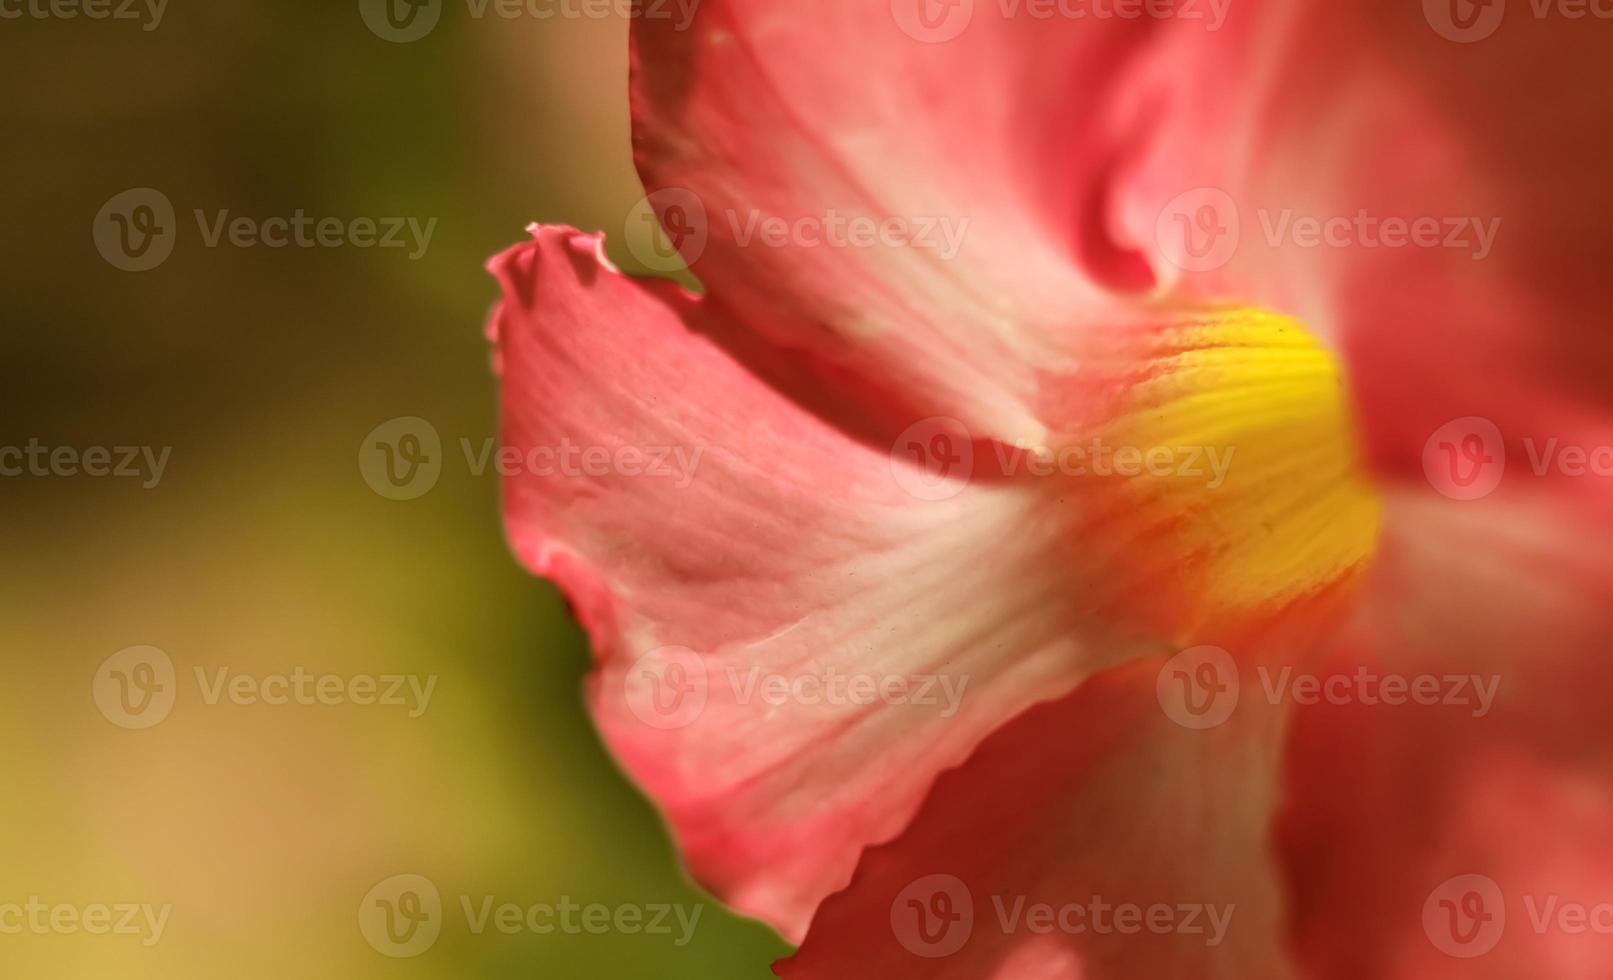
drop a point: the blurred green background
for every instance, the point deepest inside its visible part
(263, 549)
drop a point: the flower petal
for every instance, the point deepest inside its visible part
(1376, 170)
(792, 637)
(1093, 838)
(1372, 169)
(981, 153)
(1447, 839)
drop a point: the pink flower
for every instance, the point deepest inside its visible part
(1132, 498)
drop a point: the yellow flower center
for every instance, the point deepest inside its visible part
(1266, 505)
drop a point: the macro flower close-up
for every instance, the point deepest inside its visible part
(846, 490)
(1131, 505)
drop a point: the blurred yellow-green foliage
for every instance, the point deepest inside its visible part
(262, 550)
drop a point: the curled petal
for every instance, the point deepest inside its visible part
(795, 630)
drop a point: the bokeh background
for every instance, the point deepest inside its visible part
(262, 549)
